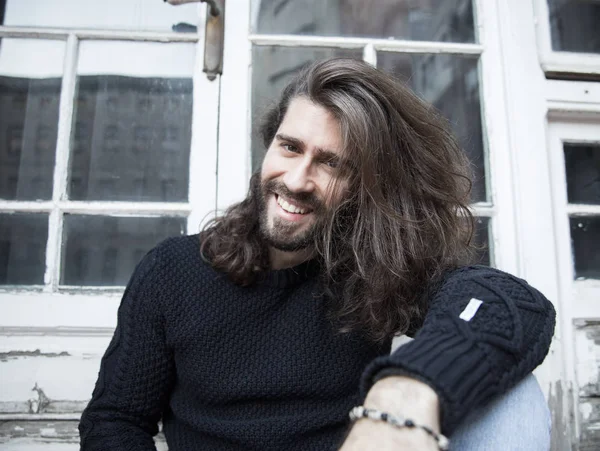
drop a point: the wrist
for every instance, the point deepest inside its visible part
(407, 397)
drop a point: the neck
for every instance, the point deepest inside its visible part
(282, 259)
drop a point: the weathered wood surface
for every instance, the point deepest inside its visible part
(48, 374)
(46, 436)
(587, 343)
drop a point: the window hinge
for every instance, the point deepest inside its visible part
(214, 35)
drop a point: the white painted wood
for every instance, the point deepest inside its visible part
(83, 310)
(203, 156)
(501, 185)
(13, 206)
(91, 34)
(576, 92)
(524, 96)
(65, 121)
(583, 210)
(557, 62)
(396, 45)
(579, 298)
(370, 54)
(66, 375)
(234, 159)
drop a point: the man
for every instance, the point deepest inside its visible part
(264, 331)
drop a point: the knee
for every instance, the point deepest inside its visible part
(517, 420)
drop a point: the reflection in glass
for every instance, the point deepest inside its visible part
(585, 242)
(481, 240)
(574, 25)
(30, 85)
(582, 167)
(451, 83)
(131, 139)
(23, 248)
(101, 250)
(423, 20)
(107, 14)
(272, 69)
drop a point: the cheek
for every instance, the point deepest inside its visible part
(270, 168)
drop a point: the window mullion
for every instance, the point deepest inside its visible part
(370, 54)
(65, 119)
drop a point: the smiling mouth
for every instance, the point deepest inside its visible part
(291, 208)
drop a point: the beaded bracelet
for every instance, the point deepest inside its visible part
(398, 422)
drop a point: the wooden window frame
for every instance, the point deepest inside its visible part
(559, 63)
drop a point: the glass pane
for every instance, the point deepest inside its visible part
(272, 69)
(582, 167)
(23, 248)
(451, 83)
(30, 85)
(102, 250)
(482, 241)
(585, 241)
(107, 14)
(574, 25)
(423, 20)
(132, 125)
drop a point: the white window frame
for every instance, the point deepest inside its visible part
(82, 319)
(578, 298)
(557, 62)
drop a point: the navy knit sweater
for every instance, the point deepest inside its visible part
(262, 367)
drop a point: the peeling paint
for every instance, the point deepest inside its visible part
(562, 416)
(585, 409)
(39, 405)
(5, 356)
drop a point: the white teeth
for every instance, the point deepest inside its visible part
(289, 207)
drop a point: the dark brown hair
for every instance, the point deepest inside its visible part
(405, 220)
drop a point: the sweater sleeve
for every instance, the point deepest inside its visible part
(485, 331)
(136, 372)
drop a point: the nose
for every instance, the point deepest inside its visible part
(299, 178)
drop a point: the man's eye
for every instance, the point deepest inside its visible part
(290, 148)
(332, 163)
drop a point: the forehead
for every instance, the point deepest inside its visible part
(312, 124)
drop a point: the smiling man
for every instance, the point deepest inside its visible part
(271, 329)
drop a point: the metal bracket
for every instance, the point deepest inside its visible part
(214, 35)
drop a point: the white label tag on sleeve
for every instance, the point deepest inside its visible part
(469, 312)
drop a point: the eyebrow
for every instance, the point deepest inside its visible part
(322, 153)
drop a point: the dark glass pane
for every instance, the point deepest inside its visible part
(23, 240)
(574, 25)
(30, 86)
(585, 241)
(582, 167)
(28, 118)
(103, 250)
(131, 139)
(451, 83)
(423, 20)
(482, 241)
(272, 70)
(107, 14)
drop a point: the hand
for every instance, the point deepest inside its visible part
(402, 396)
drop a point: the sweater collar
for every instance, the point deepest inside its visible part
(288, 277)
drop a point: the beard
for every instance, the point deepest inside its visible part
(284, 235)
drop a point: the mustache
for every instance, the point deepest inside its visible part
(309, 200)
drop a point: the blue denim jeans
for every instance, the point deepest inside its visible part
(519, 420)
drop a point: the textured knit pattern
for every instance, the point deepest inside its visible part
(469, 362)
(262, 368)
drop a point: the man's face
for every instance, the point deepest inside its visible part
(297, 172)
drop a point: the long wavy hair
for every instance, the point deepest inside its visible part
(405, 219)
